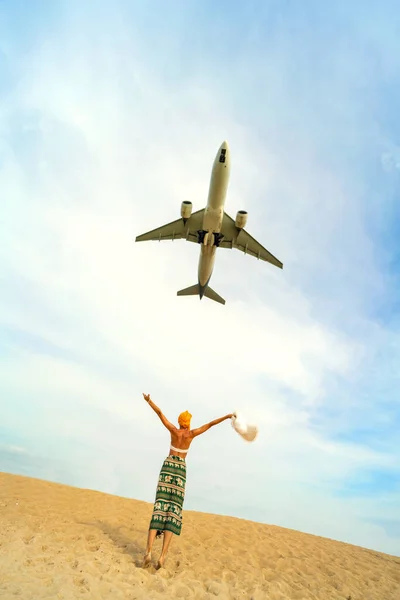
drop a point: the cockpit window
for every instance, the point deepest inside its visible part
(222, 155)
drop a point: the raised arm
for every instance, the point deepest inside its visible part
(203, 428)
(159, 413)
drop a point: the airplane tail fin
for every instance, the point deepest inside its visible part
(193, 290)
(209, 293)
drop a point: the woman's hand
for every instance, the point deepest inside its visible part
(146, 397)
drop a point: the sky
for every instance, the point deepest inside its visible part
(111, 114)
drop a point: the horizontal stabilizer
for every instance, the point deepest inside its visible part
(193, 290)
(209, 293)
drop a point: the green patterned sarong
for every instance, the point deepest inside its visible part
(167, 511)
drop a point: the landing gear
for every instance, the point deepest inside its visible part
(201, 235)
(217, 237)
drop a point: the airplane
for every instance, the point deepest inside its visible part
(212, 228)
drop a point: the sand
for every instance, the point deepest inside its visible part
(60, 542)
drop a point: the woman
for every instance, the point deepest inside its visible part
(167, 511)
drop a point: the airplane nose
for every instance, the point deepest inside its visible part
(222, 156)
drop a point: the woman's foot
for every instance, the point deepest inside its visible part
(160, 563)
(146, 560)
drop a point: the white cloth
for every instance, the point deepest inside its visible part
(246, 431)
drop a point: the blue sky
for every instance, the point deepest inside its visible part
(110, 115)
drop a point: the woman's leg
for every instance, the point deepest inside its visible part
(166, 543)
(150, 541)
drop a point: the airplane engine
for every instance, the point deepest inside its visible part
(241, 219)
(186, 210)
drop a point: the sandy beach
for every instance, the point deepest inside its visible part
(60, 542)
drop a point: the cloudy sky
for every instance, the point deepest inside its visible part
(110, 115)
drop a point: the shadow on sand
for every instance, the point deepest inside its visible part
(128, 545)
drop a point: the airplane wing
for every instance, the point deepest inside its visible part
(176, 230)
(241, 240)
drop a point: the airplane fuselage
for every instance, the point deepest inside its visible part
(213, 215)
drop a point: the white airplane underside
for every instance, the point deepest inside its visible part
(211, 228)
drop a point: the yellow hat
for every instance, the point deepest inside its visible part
(184, 419)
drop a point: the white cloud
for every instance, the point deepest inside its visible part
(13, 449)
(99, 149)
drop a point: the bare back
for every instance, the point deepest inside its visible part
(180, 438)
